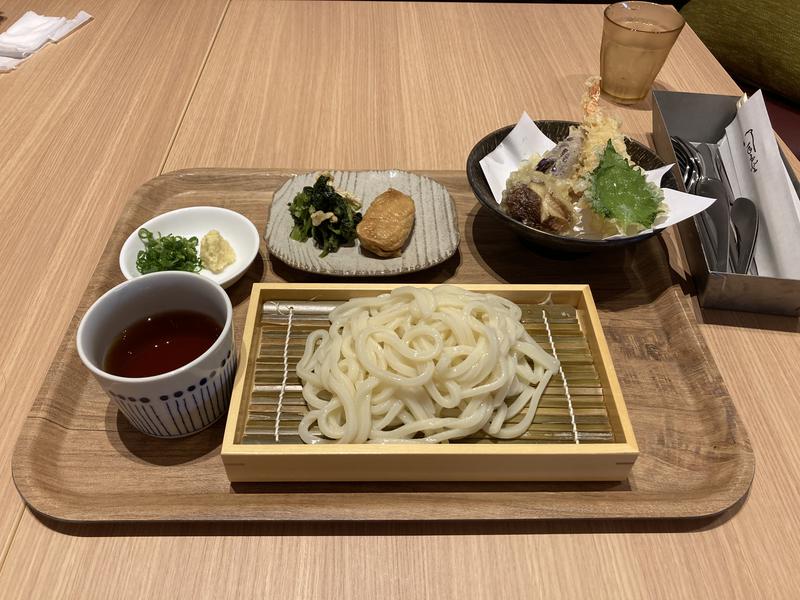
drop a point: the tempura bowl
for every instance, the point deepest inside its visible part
(556, 131)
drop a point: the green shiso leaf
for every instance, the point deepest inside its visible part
(619, 191)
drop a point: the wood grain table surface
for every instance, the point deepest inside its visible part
(149, 87)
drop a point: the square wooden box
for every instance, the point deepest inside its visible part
(608, 460)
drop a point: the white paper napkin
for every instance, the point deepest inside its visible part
(31, 32)
(754, 167)
(527, 139)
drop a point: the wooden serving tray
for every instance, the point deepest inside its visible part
(78, 459)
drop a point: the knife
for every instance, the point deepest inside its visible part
(716, 219)
(735, 244)
(718, 214)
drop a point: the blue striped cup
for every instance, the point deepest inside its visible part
(180, 402)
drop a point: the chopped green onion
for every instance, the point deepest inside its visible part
(167, 253)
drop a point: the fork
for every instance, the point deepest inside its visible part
(689, 162)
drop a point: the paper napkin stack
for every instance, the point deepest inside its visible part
(33, 31)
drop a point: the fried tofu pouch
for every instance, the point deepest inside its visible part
(387, 224)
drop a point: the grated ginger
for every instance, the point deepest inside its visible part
(216, 252)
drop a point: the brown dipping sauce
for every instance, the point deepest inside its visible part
(160, 343)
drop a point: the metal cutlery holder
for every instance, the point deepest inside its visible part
(703, 118)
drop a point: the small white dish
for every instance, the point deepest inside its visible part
(198, 221)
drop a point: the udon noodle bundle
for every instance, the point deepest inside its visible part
(422, 365)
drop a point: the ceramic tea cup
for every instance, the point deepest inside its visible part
(186, 399)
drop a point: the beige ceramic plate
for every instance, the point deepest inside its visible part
(434, 238)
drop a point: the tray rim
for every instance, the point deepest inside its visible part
(43, 500)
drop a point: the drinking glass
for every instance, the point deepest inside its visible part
(637, 37)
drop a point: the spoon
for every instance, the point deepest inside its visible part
(744, 217)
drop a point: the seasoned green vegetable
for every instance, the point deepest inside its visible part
(621, 192)
(167, 253)
(322, 213)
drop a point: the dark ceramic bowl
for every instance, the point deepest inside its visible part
(556, 131)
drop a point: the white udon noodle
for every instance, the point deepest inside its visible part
(422, 365)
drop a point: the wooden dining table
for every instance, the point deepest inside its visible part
(149, 87)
